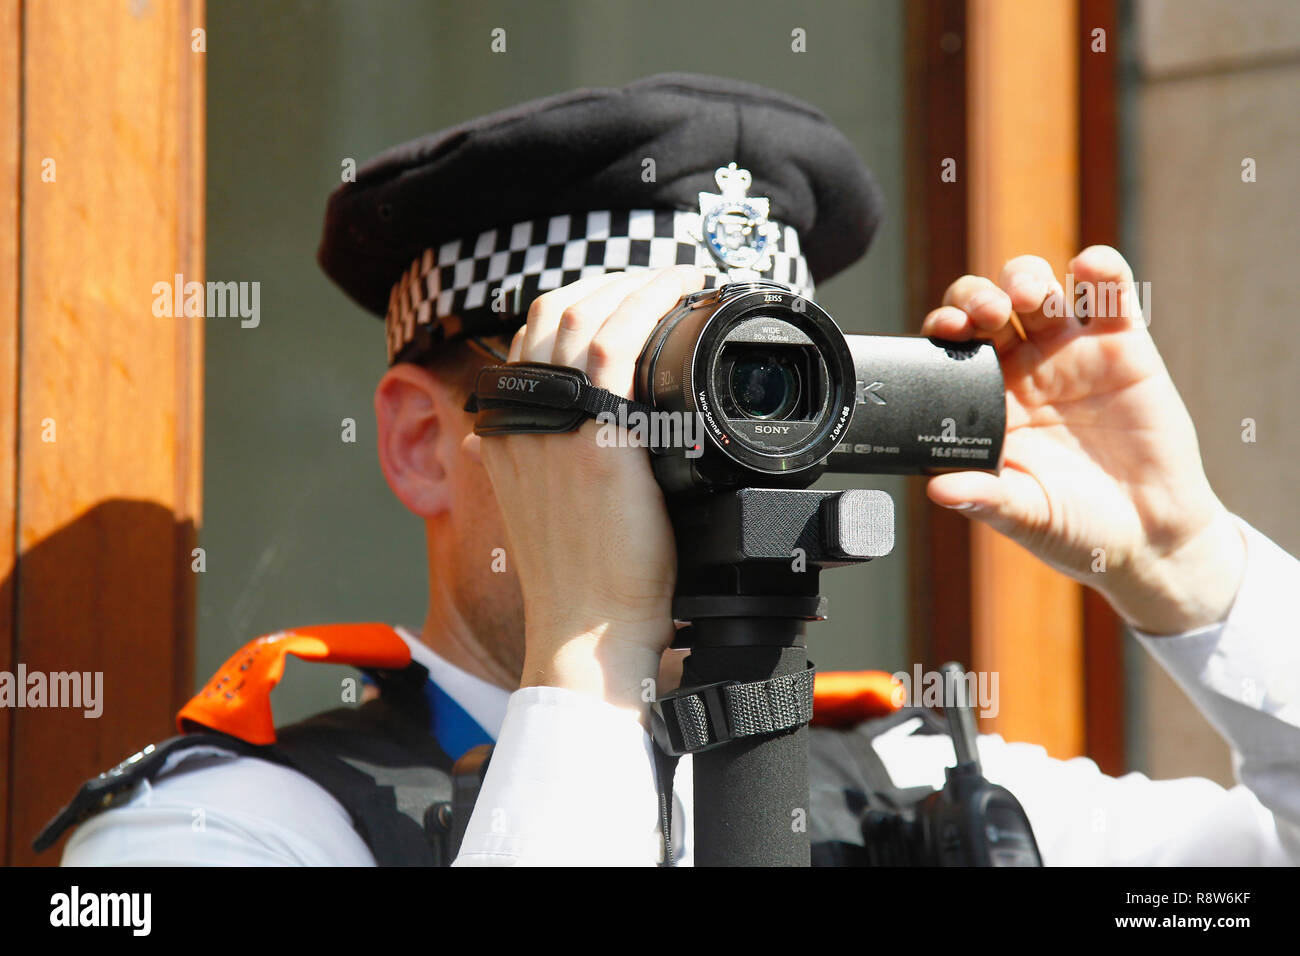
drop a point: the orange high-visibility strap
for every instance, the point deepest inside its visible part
(845, 698)
(237, 700)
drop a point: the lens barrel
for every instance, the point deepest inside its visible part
(764, 390)
(764, 374)
(923, 406)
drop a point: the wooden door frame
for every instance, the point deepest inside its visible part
(974, 597)
(101, 427)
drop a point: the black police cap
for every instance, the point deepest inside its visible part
(549, 161)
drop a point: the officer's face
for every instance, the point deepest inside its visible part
(486, 589)
(473, 591)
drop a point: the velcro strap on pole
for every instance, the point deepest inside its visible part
(523, 397)
(700, 718)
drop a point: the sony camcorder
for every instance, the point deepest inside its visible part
(784, 395)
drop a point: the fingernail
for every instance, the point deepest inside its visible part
(962, 506)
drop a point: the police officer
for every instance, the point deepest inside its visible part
(543, 213)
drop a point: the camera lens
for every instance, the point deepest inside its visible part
(764, 385)
(766, 375)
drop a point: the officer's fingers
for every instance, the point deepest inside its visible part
(948, 322)
(1011, 502)
(544, 315)
(611, 357)
(582, 319)
(472, 445)
(1104, 289)
(988, 308)
(516, 345)
(1036, 296)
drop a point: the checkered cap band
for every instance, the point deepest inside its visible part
(483, 287)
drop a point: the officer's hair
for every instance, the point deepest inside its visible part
(457, 364)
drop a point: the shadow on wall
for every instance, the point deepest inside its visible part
(103, 640)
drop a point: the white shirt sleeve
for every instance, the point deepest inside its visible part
(1242, 674)
(222, 810)
(571, 782)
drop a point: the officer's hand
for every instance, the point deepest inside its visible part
(1100, 451)
(587, 527)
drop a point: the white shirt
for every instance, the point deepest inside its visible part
(572, 779)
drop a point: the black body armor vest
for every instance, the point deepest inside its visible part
(384, 767)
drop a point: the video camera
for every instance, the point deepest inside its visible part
(784, 395)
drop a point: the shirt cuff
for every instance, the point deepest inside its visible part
(1251, 660)
(571, 781)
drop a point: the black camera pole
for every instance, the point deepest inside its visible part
(748, 568)
(750, 793)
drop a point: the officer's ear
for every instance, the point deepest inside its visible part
(419, 435)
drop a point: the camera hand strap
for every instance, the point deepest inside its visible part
(534, 397)
(692, 719)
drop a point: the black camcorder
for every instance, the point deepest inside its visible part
(785, 396)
